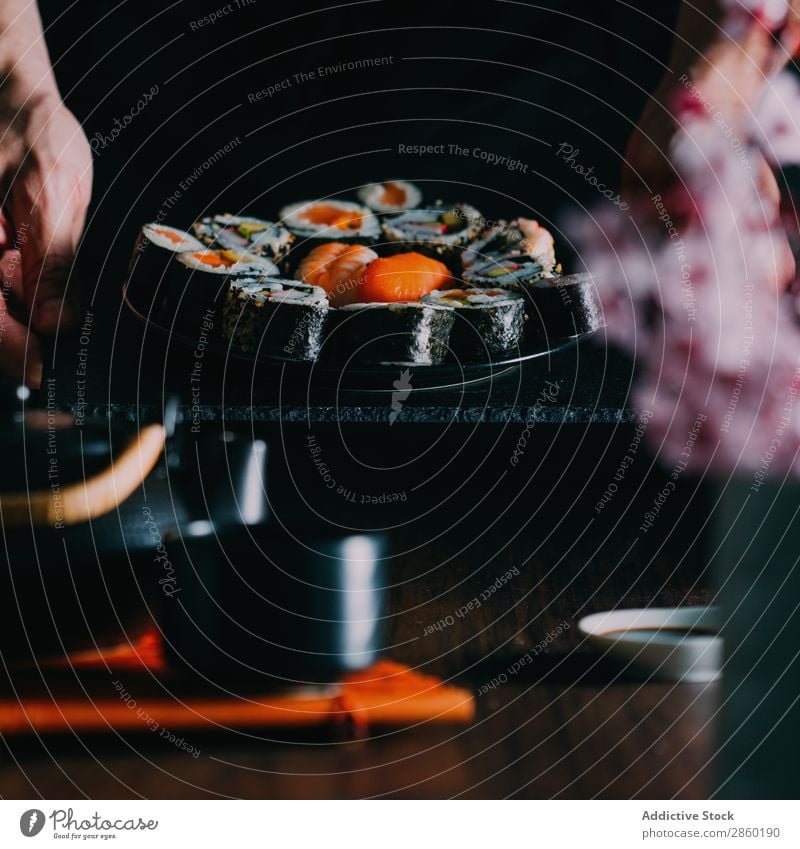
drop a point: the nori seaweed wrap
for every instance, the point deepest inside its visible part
(488, 322)
(562, 307)
(153, 258)
(199, 280)
(281, 318)
(406, 333)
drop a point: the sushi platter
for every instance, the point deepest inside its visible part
(352, 289)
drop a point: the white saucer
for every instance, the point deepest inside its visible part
(660, 640)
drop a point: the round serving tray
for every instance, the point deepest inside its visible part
(380, 377)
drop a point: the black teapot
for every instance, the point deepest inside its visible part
(109, 527)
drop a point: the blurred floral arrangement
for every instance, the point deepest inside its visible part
(693, 282)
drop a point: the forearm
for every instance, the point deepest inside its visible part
(727, 60)
(721, 59)
(25, 69)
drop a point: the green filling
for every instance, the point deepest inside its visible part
(247, 230)
(452, 220)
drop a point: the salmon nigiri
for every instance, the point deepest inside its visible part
(402, 277)
(338, 268)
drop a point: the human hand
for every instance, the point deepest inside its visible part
(724, 55)
(45, 179)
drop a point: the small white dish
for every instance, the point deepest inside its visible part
(673, 643)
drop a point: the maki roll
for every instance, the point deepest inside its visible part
(394, 196)
(488, 322)
(510, 271)
(393, 333)
(281, 318)
(538, 242)
(338, 268)
(522, 236)
(562, 307)
(439, 231)
(500, 238)
(331, 220)
(253, 235)
(167, 238)
(199, 280)
(156, 247)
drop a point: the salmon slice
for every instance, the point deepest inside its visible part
(168, 234)
(393, 195)
(333, 216)
(338, 269)
(402, 277)
(215, 260)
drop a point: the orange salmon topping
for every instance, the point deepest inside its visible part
(393, 195)
(215, 260)
(402, 277)
(168, 234)
(338, 268)
(333, 216)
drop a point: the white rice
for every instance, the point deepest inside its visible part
(293, 216)
(187, 243)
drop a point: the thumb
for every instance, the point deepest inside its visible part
(48, 251)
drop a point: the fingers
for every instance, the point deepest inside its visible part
(4, 230)
(48, 215)
(55, 303)
(20, 354)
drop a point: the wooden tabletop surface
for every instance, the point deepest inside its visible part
(561, 723)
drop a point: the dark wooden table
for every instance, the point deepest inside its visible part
(567, 724)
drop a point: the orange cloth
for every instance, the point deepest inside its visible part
(387, 693)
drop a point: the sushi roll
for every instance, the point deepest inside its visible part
(331, 220)
(405, 334)
(538, 242)
(167, 238)
(281, 318)
(500, 238)
(156, 247)
(199, 280)
(562, 307)
(394, 196)
(338, 268)
(510, 271)
(488, 322)
(439, 231)
(238, 233)
(521, 236)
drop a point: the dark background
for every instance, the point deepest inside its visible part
(515, 79)
(512, 78)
